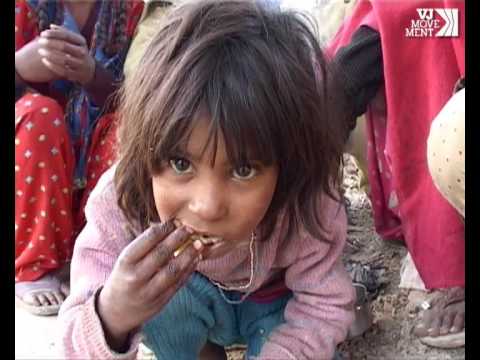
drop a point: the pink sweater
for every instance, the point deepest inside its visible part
(317, 317)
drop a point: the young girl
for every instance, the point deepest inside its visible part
(227, 133)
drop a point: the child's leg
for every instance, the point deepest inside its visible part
(256, 321)
(194, 315)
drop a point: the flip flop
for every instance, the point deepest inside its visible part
(450, 341)
(47, 283)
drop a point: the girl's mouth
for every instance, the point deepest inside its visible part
(207, 240)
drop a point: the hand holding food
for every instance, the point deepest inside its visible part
(144, 278)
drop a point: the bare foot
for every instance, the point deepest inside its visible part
(443, 315)
(43, 296)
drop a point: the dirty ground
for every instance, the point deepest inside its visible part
(389, 337)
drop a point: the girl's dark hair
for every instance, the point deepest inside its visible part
(266, 86)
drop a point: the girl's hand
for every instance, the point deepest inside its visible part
(29, 66)
(66, 54)
(144, 278)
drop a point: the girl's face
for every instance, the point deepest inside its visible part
(216, 200)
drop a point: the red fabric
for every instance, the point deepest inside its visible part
(101, 157)
(420, 74)
(270, 293)
(47, 214)
(26, 27)
(134, 16)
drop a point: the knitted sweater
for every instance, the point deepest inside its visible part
(317, 317)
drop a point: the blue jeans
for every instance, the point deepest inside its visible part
(198, 313)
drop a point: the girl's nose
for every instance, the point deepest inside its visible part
(208, 204)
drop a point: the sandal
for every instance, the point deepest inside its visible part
(442, 319)
(47, 284)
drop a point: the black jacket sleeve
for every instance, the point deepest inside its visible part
(361, 66)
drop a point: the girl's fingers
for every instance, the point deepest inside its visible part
(164, 252)
(76, 51)
(165, 296)
(60, 33)
(145, 242)
(177, 268)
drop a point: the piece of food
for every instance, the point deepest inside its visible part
(183, 247)
(205, 239)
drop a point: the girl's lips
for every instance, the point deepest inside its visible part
(210, 242)
(203, 236)
(206, 239)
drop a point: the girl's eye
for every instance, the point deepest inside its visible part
(244, 172)
(180, 165)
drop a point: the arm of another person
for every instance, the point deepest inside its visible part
(103, 83)
(361, 69)
(318, 316)
(96, 249)
(29, 71)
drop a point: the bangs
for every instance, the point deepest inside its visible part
(227, 88)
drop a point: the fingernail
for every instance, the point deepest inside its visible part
(197, 244)
(454, 329)
(189, 230)
(199, 258)
(430, 330)
(177, 223)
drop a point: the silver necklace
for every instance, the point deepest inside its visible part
(253, 250)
